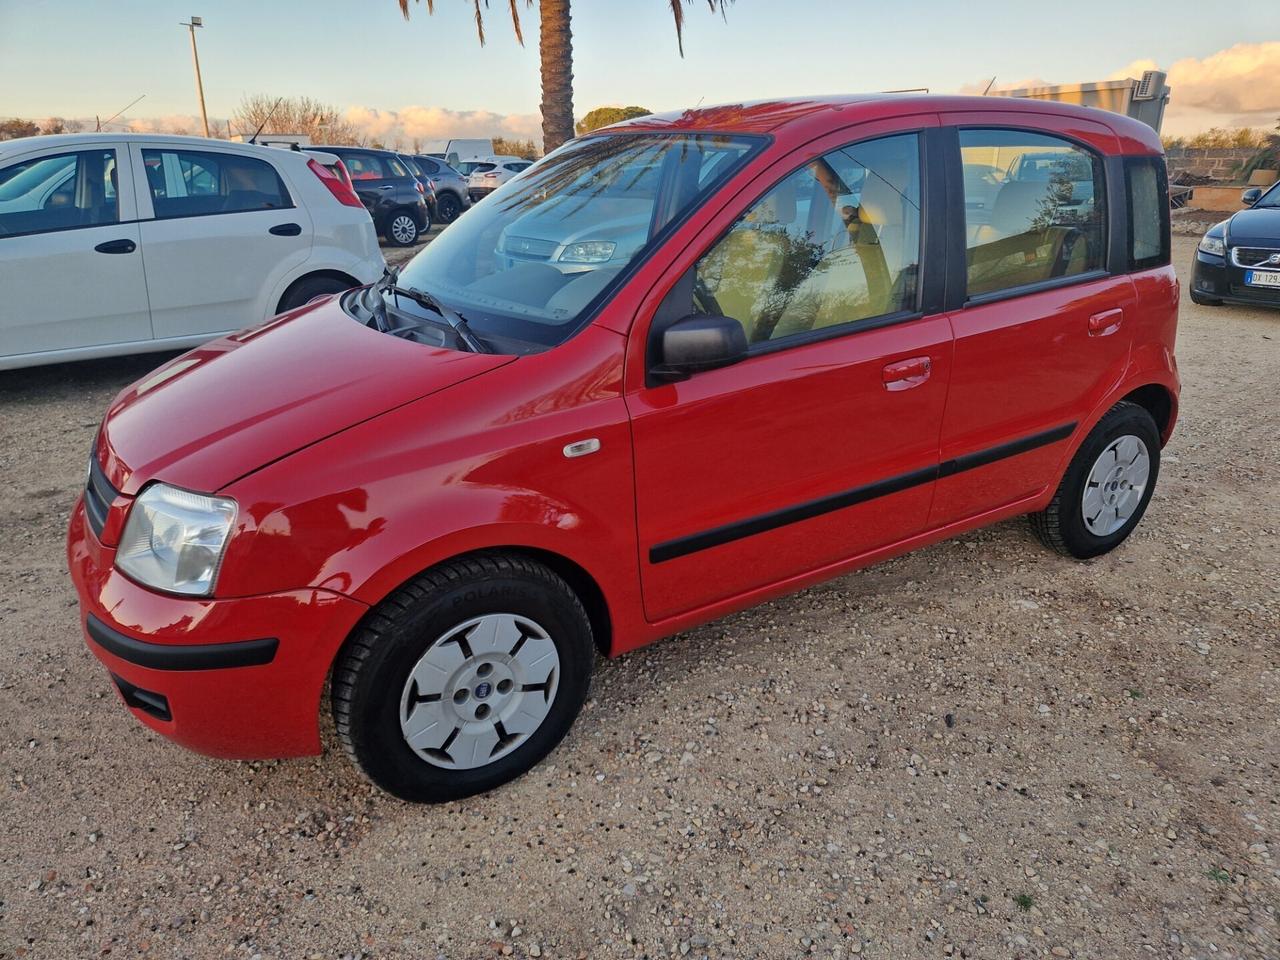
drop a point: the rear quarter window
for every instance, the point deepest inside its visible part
(1147, 193)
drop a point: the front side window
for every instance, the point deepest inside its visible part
(1034, 209)
(187, 183)
(59, 193)
(836, 242)
(1148, 192)
(523, 267)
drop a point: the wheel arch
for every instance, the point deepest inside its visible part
(1158, 400)
(327, 274)
(580, 581)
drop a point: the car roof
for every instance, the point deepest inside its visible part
(81, 139)
(817, 114)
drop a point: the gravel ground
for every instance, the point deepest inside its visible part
(977, 750)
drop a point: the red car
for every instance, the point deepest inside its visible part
(678, 367)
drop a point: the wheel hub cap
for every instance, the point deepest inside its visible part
(1115, 485)
(479, 691)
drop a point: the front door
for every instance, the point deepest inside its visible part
(1042, 334)
(70, 257)
(823, 443)
(223, 235)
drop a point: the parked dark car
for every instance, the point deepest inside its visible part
(452, 196)
(1238, 261)
(396, 199)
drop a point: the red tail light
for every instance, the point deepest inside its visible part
(341, 191)
(418, 184)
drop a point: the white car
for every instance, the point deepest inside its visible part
(488, 175)
(125, 243)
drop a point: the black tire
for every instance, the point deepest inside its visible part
(401, 229)
(1204, 301)
(308, 288)
(1061, 526)
(374, 667)
(448, 206)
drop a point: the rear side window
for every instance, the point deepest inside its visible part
(1034, 209)
(372, 166)
(836, 242)
(188, 183)
(429, 167)
(59, 193)
(1147, 189)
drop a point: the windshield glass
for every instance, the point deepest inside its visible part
(528, 262)
(1271, 198)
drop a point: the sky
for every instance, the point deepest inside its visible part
(430, 77)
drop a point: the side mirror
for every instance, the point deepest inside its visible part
(1251, 196)
(698, 343)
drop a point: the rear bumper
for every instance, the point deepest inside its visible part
(239, 678)
(479, 193)
(1216, 278)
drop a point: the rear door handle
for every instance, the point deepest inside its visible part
(387, 186)
(905, 374)
(1105, 323)
(286, 230)
(117, 246)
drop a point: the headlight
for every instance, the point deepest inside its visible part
(173, 539)
(1213, 245)
(589, 251)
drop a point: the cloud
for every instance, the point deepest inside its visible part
(1235, 87)
(437, 123)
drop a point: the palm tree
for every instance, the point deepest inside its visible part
(556, 47)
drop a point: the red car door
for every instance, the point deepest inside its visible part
(823, 443)
(1040, 326)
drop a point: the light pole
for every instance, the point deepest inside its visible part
(195, 57)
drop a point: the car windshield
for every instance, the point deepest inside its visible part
(528, 263)
(1271, 198)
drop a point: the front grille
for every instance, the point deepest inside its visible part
(1256, 257)
(98, 495)
(529, 248)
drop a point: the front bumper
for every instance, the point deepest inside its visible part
(1217, 278)
(239, 678)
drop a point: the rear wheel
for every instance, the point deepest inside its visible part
(402, 229)
(1107, 486)
(310, 288)
(448, 206)
(464, 678)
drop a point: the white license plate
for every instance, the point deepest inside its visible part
(1262, 278)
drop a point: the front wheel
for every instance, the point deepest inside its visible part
(1107, 486)
(464, 678)
(402, 229)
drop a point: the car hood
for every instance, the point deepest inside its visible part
(1259, 225)
(211, 416)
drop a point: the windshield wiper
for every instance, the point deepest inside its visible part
(451, 317)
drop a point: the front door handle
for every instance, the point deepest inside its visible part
(286, 230)
(1105, 323)
(905, 374)
(117, 246)
(387, 186)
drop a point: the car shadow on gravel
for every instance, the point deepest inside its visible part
(83, 376)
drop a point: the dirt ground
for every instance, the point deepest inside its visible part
(977, 750)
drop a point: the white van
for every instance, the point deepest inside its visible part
(127, 243)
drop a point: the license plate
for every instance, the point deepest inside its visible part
(1262, 278)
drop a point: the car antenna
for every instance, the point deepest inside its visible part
(266, 120)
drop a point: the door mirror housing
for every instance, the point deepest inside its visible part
(696, 344)
(1251, 196)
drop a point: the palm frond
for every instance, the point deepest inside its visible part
(677, 14)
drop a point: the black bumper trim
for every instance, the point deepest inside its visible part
(177, 656)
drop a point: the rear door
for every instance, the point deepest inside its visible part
(823, 443)
(222, 233)
(1040, 315)
(71, 267)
